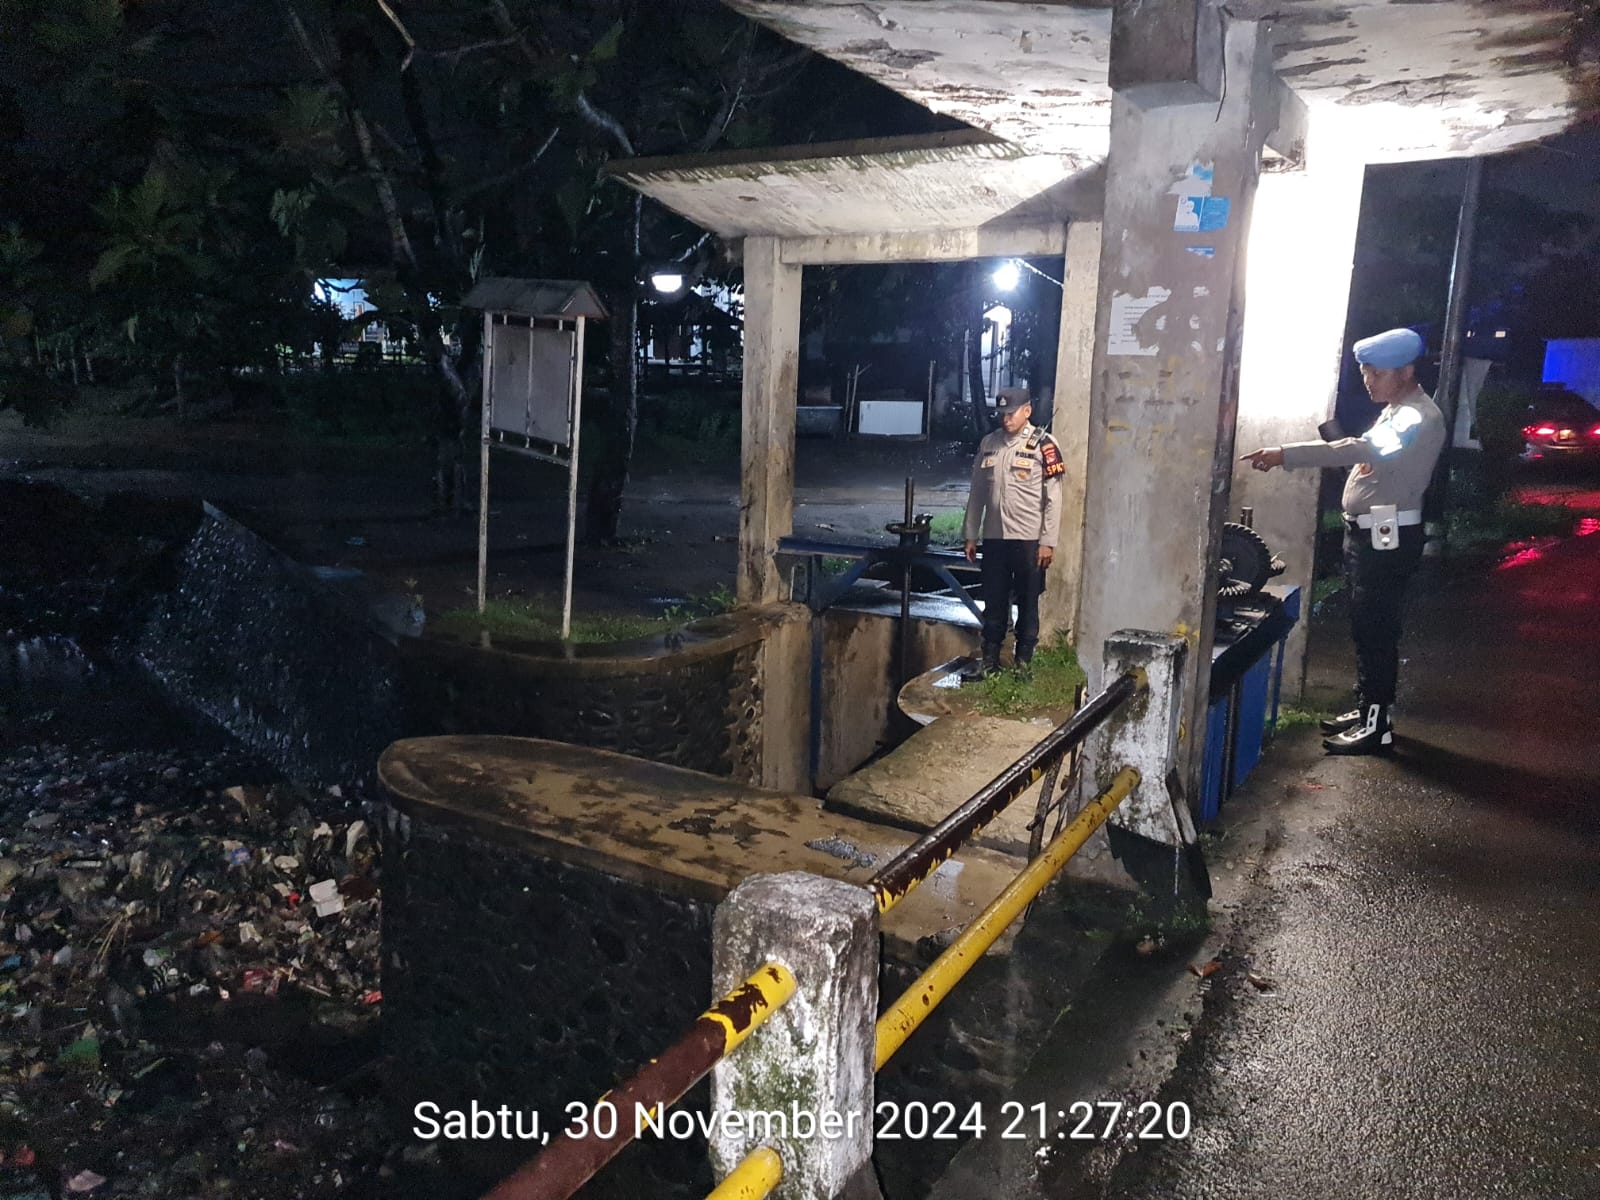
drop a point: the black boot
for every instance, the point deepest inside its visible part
(1372, 735)
(1024, 662)
(984, 667)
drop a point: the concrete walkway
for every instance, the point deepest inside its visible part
(1425, 1020)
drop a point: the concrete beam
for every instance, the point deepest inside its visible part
(1423, 80)
(1179, 188)
(1167, 52)
(1290, 127)
(945, 245)
(771, 386)
(1058, 606)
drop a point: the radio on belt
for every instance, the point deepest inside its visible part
(1385, 526)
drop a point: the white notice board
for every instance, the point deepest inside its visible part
(532, 394)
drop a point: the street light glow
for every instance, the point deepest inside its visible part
(1007, 275)
(667, 282)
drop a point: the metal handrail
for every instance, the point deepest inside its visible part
(901, 1019)
(754, 1178)
(567, 1164)
(924, 856)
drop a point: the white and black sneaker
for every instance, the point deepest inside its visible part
(1347, 720)
(1371, 734)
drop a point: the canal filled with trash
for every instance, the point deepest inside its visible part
(189, 943)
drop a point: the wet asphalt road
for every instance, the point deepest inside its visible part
(1428, 934)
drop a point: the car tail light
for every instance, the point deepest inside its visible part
(1538, 430)
(1595, 432)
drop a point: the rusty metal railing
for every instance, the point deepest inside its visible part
(924, 856)
(564, 1166)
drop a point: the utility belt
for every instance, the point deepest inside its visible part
(1385, 521)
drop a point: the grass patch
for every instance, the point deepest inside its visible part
(1298, 718)
(1323, 588)
(536, 621)
(946, 529)
(1509, 521)
(1052, 685)
(712, 604)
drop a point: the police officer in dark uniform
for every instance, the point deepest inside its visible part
(1391, 465)
(1015, 506)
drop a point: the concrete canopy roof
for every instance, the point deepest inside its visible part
(1409, 78)
(966, 179)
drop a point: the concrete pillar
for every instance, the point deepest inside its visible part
(1293, 343)
(1058, 606)
(1143, 734)
(816, 1053)
(1180, 179)
(771, 381)
(785, 682)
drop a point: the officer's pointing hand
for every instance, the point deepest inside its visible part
(972, 551)
(1265, 459)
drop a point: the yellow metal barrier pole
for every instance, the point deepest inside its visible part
(756, 1175)
(942, 975)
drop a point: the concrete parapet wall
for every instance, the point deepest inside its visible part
(547, 928)
(692, 698)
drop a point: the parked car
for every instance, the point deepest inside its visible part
(1562, 427)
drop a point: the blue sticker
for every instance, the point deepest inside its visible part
(1201, 214)
(1202, 251)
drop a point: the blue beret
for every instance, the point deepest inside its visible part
(1394, 348)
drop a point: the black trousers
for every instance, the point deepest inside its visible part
(1011, 573)
(1377, 594)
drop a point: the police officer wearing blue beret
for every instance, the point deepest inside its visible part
(1391, 465)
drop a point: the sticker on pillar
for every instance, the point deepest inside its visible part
(1202, 252)
(1201, 214)
(1126, 313)
(1196, 181)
